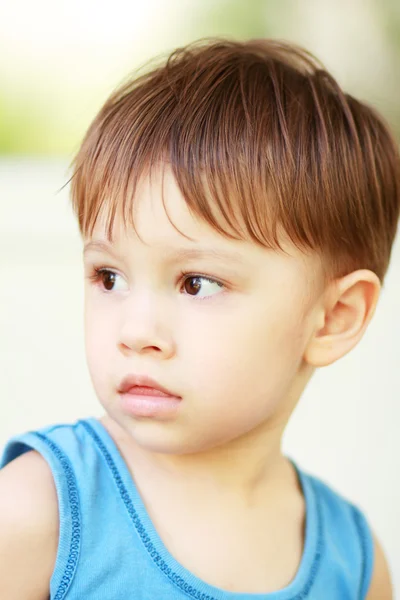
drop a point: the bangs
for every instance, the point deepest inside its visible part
(223, 136)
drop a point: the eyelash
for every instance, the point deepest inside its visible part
(97, 273)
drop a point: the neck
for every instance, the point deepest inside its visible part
(245, 468)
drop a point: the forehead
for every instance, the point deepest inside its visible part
(164, 223)
(160, 215)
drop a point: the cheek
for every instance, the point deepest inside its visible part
(99, 359)
(99, 337)
(255, 353)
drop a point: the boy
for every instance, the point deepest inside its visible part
(243, 168)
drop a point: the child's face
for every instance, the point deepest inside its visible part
(234, 357)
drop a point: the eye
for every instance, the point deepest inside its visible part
(195, 280)
(105, 278)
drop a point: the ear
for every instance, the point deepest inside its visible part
(347, 308)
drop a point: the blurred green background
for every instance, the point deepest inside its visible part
(60, 59)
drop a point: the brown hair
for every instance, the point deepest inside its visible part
(261, 132)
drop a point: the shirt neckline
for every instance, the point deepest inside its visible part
(189, 584)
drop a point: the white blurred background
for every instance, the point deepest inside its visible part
(58, 62)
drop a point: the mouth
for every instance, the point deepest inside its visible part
(141, 390)
(144, 386)
(143, 397)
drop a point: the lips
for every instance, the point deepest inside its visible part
(144, 385)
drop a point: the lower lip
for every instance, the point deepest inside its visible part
(141, 405)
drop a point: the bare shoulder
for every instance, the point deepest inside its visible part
(29, 527)
(381, 584)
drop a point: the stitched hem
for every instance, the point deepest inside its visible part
(73, 498)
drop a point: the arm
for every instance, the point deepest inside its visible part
(28, 528)
(381, 586)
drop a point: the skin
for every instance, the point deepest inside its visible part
(240, 359)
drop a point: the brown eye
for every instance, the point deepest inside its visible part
(108, 280)
(192, 288)
(195, 283)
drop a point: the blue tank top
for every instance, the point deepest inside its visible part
(109, 548)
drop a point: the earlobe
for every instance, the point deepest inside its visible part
(348, 308)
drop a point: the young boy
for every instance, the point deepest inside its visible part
(240, 167)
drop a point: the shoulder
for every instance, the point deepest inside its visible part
(351, 526)
(381, 585)
(29, 527)
(28, 487)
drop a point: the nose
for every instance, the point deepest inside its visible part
(146, 326)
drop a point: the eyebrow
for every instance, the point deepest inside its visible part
(176, 254)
